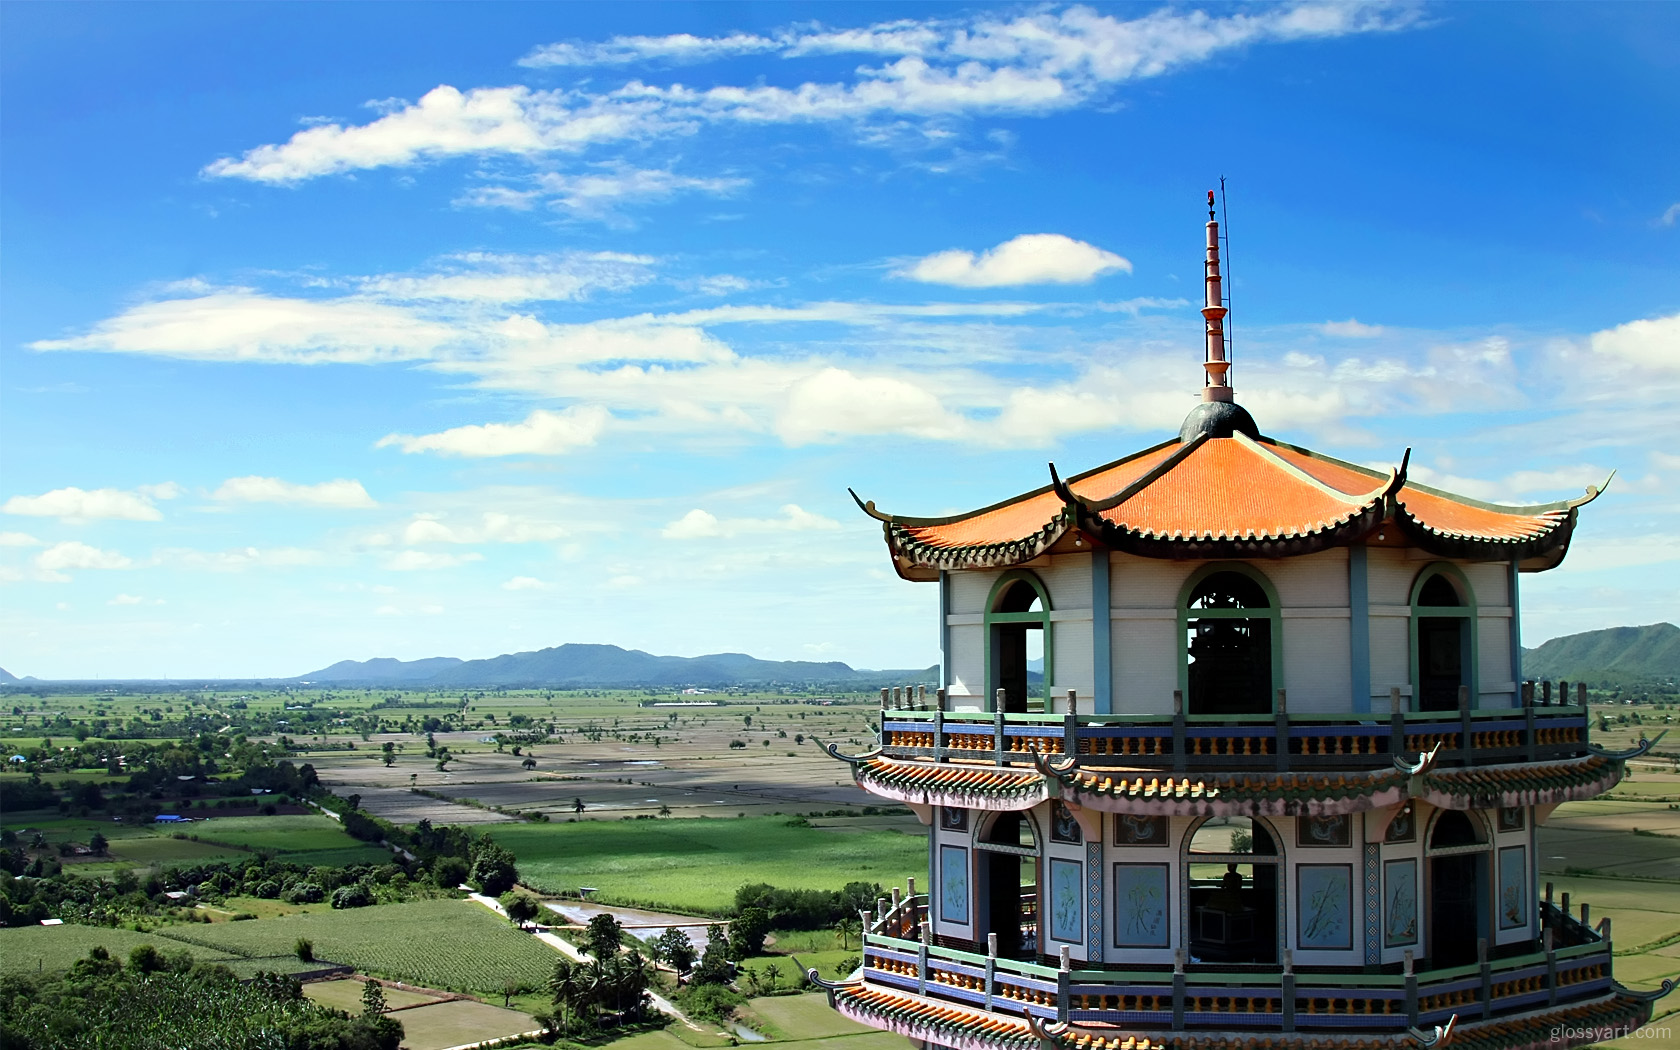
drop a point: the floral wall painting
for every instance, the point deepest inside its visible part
(1323, 831)
(1140, 906)
(953, 819)
(1400, 903)
(1133, 830)
(1063, 826)
(1067, 901)
(1513, 889)
(1325, 912)
(1403, 828)
(953, 884)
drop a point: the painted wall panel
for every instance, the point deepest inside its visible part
(1315, 580)
(1493, 641)
(968, 670)
(1391, 575)
(1145, 665)
(1315, 665)
(1069, 578)
(1391, 662)
(1147, 583)
(1073, 662)
(969, 590)
(1488, 580)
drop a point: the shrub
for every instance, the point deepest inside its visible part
(354, 895)
(305, 949)
(305, 893)
(710, 1002)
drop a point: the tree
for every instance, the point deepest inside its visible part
(847, 928)
(145, 959)
(747, 932)
(373, 998)
(569, 988)
(577, 805)
(772, 974)
(97, 843)
(449, 872)
(604, 938)
(305, 949)
(389, 752)
(493, 870)
(674, 949)
(521, 908)
(529, 763)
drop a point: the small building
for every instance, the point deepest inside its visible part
(1277, 783)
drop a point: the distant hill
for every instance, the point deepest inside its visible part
(1616, 654)
(578, 666)
(7, 677)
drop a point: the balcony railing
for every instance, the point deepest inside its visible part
(1282, 741)
(1574, 963)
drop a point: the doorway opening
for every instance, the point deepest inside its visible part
(1011, 885)
(1232, 907)
(1458, 895)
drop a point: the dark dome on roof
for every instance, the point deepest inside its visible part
(1218, 419)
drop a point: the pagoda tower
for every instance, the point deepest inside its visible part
(1277, 783)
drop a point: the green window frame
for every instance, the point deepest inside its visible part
(1271, 613)
(1469, 650)
(996, 618)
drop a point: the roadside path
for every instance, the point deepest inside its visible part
(660, 1003)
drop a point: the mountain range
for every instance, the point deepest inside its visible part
(1615, 654)
(575, 666)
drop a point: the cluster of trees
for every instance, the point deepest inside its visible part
(805, 909)
(609, 990)
(167, 1000)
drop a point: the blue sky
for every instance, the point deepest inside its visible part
(353, 330)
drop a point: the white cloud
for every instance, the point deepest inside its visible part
(1650, 344)
(425, 561)
(19, 539)
(542, 433)
(243, 325)
(525, 583)
(1669, 217)
(73, 554)
(126, 599)
(74, 504)
(340, 492)
(1351, 329)
(1032, 258)
(486, 277)
(1041, 62)
(600, 195)
(701, 524)
(493, 527)
(836, 403)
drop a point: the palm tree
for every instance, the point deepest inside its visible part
(846, 928)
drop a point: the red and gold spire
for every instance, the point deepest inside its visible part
(1216, 368)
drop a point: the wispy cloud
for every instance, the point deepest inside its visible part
(72, 554)
(599, 195)
(1351, 329)
(542, 433)
(340, 492)
(1043, 62)
(428, 561)
(492, 527)
(1032, 258)
(1669, 217)
(702, 524)
(487, 277)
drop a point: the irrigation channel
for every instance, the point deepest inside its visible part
(645, 926)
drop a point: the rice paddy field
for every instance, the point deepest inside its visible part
(306, 838)
(695, 866)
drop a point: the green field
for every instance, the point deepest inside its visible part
(449, 944)
(695, 866)
(40, 948)
(282, 834)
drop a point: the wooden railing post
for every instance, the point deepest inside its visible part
(1070, 725)
(1179, 742)
(1546, 692)
(1531, 737)
(922, 960)
(991, 969)
(1179, 982)
(939, 726)
(1396, 722)
(1064, 980)
(1280, 723)
(1467, 752)
(1409, 968)
(1548, 942)
(1287, 988)
(1487, 976)
(1581, 695)
(999, 742)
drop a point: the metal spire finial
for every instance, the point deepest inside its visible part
(1217, 387)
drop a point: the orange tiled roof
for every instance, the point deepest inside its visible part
(1226, 497)
(945, 783)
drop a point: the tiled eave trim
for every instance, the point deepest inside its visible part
(1283, 795)
(933, 1022)
(945, 784)
(1471, 545)
(976, 556)
(1306, 540)
(1485, 786)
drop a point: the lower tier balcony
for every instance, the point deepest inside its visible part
(1557, 991)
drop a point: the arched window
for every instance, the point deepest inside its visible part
(1443, 639)
(1017, 637)
(1231, 904)
(1232, 646)
(1008, 854)
(1458, 856)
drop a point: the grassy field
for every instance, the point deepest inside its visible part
(449, 944)
(461, 1021)
(796, 1022)
(695, 866)
(347, 995)
(38, 948)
